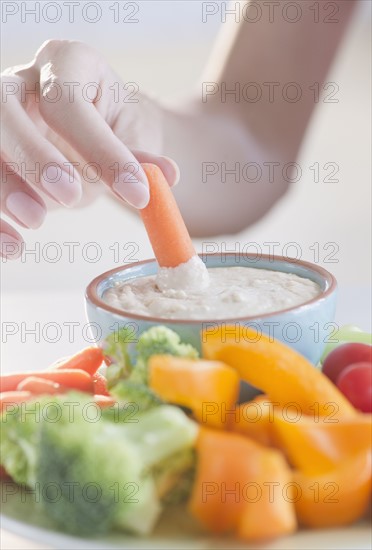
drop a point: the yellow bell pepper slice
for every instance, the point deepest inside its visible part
(255, 420)
(316, 447)
(276, 369)
(338, 497)
(209, 388)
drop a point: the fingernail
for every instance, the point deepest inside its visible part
(132, 190)
(25, 209)
(65, 188)
(10, 247)
(175, 168)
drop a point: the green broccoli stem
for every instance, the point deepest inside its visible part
(173, 477)
(116, 348)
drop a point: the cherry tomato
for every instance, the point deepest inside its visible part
(346, 334)
(355, 382)
(343, 356)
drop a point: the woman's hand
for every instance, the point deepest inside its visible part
(67, 117)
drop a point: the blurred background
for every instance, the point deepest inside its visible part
(165, 53)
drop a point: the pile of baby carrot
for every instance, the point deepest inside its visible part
(79, 372)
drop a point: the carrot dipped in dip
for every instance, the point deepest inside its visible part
(179, 265)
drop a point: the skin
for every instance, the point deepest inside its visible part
(38, 130)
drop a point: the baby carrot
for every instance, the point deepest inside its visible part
(72, 378)
(13, 398)
(164, 224)
(40, 386)
(104, 401)
(100, 384)
(88, 359)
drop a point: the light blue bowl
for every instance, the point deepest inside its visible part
(306, 327)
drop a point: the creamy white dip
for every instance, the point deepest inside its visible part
(228, 292)
(192, 275)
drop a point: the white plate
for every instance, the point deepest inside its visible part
(175, 532)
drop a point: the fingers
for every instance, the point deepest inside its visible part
(167, 165)
(10, 242)
(84, 123)
(80, 124)
(19, 201)
(34, 158)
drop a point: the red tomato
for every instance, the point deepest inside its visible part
(343, 356)
(355, 382)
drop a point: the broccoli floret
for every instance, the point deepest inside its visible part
(94, 472)
(111, 457)
(18, 442)
(119, 347)
(116, 348)
(98, 473)
(158, 340)
(128, 391)
(161, 432)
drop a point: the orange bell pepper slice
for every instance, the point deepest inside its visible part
(255, 420)
(337, 497)
(240, 487)
(209, 388)
(276, 369)
(315, 447)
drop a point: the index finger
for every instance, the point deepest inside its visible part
(78, 121)
(80, 124)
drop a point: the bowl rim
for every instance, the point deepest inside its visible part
(91, 294)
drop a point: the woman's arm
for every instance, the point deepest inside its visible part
(257, 95)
